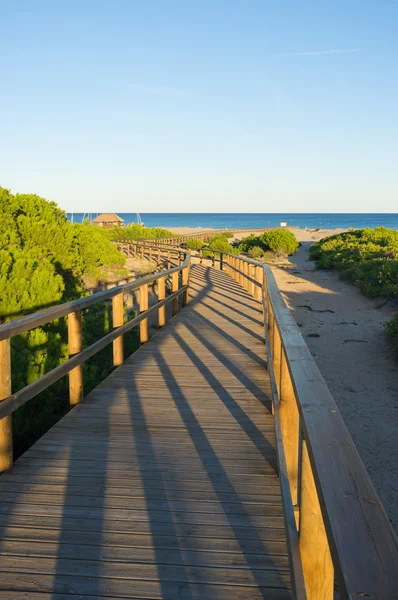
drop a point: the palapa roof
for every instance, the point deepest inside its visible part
(108, 218)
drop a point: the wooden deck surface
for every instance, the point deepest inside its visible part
(163, 483)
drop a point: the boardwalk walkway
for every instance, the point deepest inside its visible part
(163, 483)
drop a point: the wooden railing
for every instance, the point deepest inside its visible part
(338, 532)
(9, 402)
(164, 254)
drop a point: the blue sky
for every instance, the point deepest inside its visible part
(201, 105)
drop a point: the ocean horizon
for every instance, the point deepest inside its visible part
(255, 220)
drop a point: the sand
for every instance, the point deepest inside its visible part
(354, 355)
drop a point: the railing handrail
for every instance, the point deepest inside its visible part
(362, 542)
(22, 324)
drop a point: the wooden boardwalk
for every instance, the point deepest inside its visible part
(163, 483)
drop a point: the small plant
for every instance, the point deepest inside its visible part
(221, 244)
(250, 241)
(256, 252)
(194, 243)
(281, 241)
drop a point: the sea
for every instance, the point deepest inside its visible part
(255, 220)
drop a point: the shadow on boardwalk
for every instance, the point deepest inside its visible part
(163, 484)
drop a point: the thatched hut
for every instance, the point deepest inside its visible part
(108, 220)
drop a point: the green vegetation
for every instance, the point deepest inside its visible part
(278, 241)
(135, 232)
(256, 252)
(43, 261)
(194, 243)
(218, 243)
(221, 244)
(369, 257)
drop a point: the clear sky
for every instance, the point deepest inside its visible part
(201, 105)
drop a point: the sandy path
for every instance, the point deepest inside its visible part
(353, 355)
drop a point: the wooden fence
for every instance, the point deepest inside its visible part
(178, 275)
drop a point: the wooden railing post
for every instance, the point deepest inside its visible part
(201, 256)
(252, 286)
(150, 254)
(174, 288)
(241, 277)
(75, 346)
(117, 321)
(142, 251)
(314, 548)
(168, 259)
(6, 449)
(135, 250)
(260, 279)
(246, 275)
(159, 257)
(276, 355)
(290, 426)
(213, 255)
(185, 281)
(162, 296)
(144, 336)
(221, 261)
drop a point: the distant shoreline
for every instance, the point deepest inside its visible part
(211, 221)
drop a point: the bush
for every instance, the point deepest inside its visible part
(221, 244)
(369, 257)
(256, 252)
(250, 241)
(135, 232)
(281, 241)
(194, 243)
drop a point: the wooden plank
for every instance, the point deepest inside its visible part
(90, 569)
(151, 555)
(83, 588)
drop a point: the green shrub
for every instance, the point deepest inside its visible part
(250, 241)
(221, 244)
(194, 243)
(281, 241)
(135, 232)
(256, 252)
(369, 257)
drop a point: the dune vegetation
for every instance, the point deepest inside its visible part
(217, 243)
(369, 258)
(135, 231)
(281, 242)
